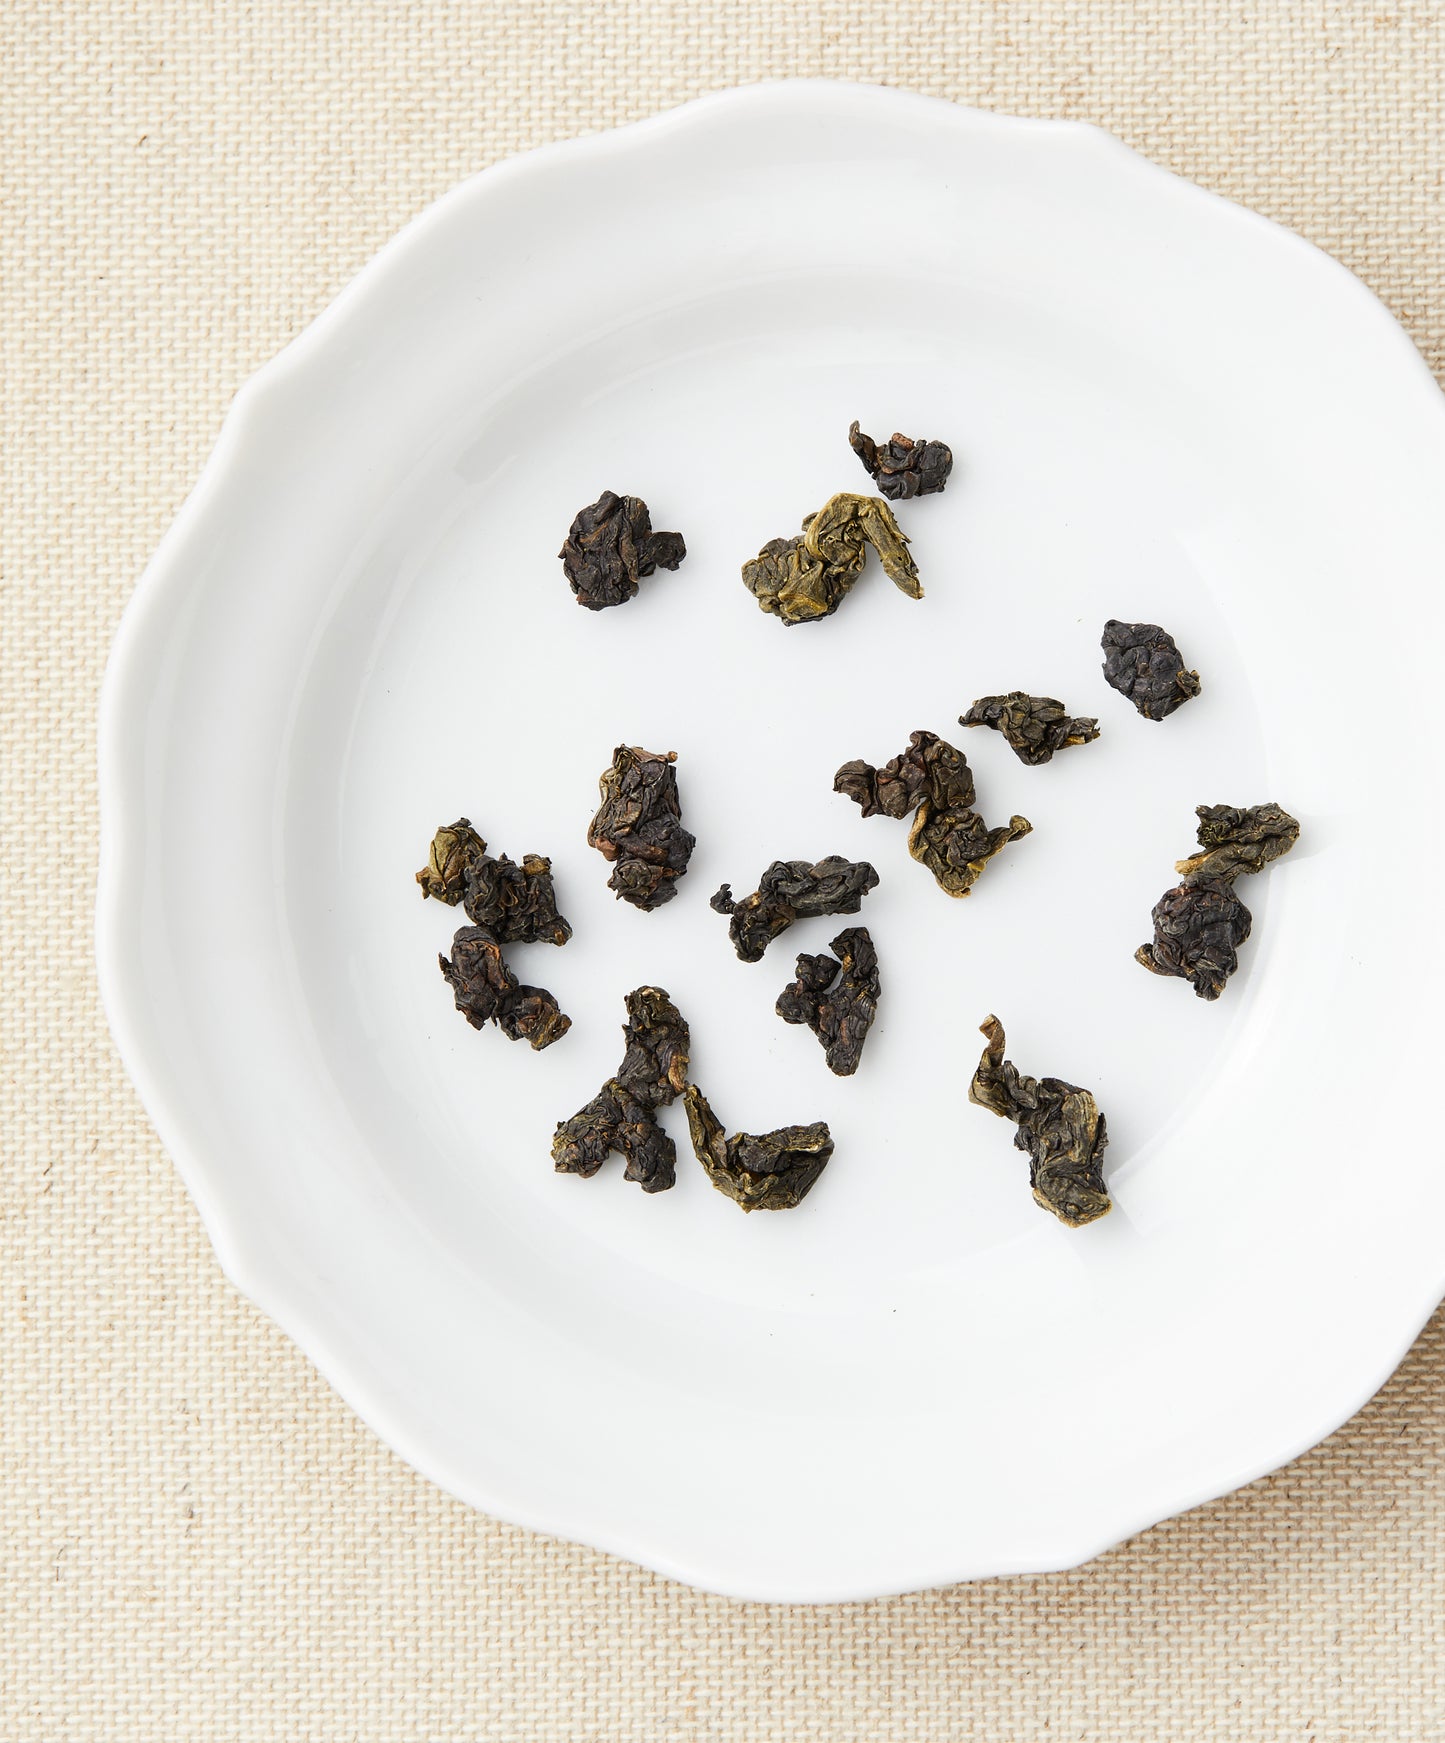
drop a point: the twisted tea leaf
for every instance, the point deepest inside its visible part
(957, 845)
(455, 848)
(808, 576)
(932, 779)
(1142, 663)
(1200, 924)
(1034, 726)
(792, 890)
(839, 1011)
(901, 467)
(1198, 928)
(517, 904)
(1060, 1129)
(610, 546)
(929, 769)
(621, 1116)
(486, 991)
(638, 827)
(775, 1171)
(1236, 841)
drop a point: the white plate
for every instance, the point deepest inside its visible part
(1162, 407)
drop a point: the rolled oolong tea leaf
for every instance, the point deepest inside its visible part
(1033, 726)
(516, 903)
(1238, 840)
(957, 845)
(775, 1171)
(1198, 929)
(621, 1116)
(1060, 1129)
(808, 576)
(455, 848)
(611, 546)
(933, 780)
(1200, 924)
(1142, 663)
(901, 467)
(837, 999)
(638, 827)
(792, 890)
(486, 991)
(929, 769)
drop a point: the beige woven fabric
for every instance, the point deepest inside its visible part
(199, 1541)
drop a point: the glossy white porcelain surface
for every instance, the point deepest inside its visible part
(1162, 407)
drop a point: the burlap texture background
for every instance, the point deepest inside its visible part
(199, 1542)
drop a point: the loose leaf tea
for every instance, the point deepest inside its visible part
(611, 545)
(486, 991)
(517, 904)
(1238, 840)
(808, 576)
(1200, 924)
(1060, 1129)
(1198, 929)
(792, 890)
(836, 998)
(776, 1171)
(455, 848)
(621, 1116)
(932, 779)
(638, 827)
(901, 467)
(929, 769)
(1142, 663)
(1034, 726)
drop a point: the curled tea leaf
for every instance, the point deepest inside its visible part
(1142, 663)
(837, 999)
(1199, 925)
(1060, 1129)
(808, 576)
(454, 849)
(901, 467)
(932, 780)
(486, 991)
(621, 1117)
(611, 546)
(957, 845)
(775, 1171)
(638, 827)
(1198, 929)
(791, 890)
(1033, 726)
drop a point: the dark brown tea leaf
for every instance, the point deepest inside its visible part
(808, 576)
(1198, 929)
(1199, 925)
(611, 546)
(1060, 1129)
(837, 999)
(621, 1116)
(1033, 726)
(776, 1171)
(516, 904)
(638, 826)
(1142, 663)
(901, 467)
(792, 890)
(932, 780)
(486, 991)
